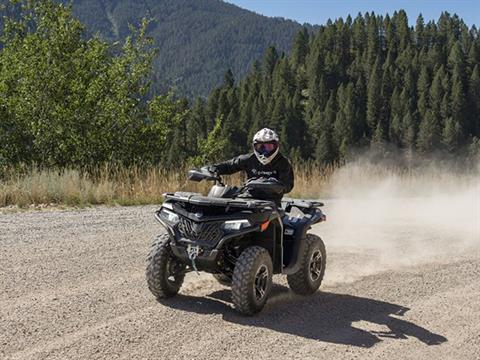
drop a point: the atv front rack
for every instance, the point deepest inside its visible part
(198, 199)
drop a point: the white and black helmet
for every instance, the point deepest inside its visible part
(266, 145)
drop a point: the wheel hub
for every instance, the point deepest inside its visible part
(173, 270)
(315, 265)
(261, 282)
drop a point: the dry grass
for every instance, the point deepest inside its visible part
(120, 185)
(112, 185)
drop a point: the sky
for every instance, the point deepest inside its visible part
(317, 12)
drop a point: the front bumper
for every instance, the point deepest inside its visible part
(207, 260)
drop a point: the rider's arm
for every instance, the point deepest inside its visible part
(286, 177)
(232, 166)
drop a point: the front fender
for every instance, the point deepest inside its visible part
(235, 234)
(164, 224)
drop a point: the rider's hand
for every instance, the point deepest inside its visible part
(212, 168)
(272, 179)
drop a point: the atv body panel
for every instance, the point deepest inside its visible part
(201, 221)
(239, 238)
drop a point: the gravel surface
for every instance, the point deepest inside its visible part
(72, 287)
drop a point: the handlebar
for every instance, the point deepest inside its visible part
(263, 185)
(204, 174)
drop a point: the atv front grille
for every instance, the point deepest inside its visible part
(207, 232)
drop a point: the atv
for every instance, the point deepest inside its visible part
(240, 240)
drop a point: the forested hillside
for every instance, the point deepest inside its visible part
(355, 83)
(71, 100)
(198, 40)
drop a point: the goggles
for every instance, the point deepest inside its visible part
(265, 147)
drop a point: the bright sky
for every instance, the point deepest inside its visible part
(317, 12)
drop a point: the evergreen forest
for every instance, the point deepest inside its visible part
(70, 99)
(371, 82)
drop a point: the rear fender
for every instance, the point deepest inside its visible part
(300, 234)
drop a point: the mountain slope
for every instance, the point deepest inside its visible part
(198, 40)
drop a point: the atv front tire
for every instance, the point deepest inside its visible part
(308, 279)
(252, 280)
(164, 273)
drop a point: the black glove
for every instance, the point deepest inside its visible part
(273, 180)
(211, 168)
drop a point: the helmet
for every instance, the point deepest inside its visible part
(265, 145)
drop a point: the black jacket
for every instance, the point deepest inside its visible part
(279, 168)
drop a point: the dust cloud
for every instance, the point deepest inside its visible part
(383, 219)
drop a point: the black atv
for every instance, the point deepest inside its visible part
(241, 241)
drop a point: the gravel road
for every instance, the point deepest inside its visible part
(72, 287)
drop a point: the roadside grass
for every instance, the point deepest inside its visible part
(116, 185)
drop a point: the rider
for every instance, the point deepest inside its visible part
(266, 162)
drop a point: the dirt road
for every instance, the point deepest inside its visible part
(72, 287)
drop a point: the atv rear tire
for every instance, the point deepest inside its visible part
(223, 279)
(164, 273)
(252, 280)
(308, 279)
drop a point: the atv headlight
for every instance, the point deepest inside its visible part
(232, 225)
(169, 216)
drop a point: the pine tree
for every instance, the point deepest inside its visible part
(423, 87)
(403, 30)
(474, 99)
(452, 135)
(283, 79)
(408, 131)
(408, 96)
(373, 40)
(396, 105)
(436, 93)
(279, 114)
(458, 106)
(379, 136)
(429, 134)
(395, 131)
(374, 100)
(195, 126)
(359, 33)
(324, 150)
(420, 32)
(360, 124)
(300, 48)
(386, 93)
(270, 60)
(345, 118)
(457, 61)
(474, 54)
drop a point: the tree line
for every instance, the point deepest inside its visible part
(369, 82)
(71, 100)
